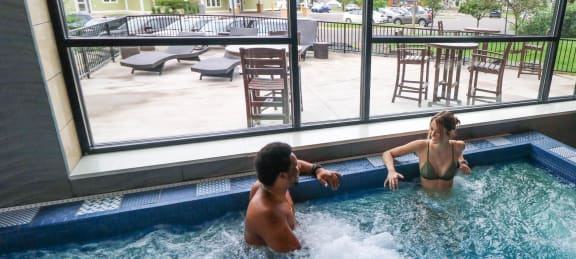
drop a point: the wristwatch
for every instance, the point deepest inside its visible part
(315, 168)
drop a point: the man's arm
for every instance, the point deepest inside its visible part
(323, 175)
(277, 234)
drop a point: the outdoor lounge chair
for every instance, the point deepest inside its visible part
(154, 61)
(217, 67)
(308, 30)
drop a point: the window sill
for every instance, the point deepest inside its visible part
(115, 163)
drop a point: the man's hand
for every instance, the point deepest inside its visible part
(328, 177)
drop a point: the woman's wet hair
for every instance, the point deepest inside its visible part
(446, 120)
(271, 160)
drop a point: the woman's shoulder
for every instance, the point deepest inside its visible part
(419, 144)
(458, 144)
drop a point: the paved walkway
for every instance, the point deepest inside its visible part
(124, 106)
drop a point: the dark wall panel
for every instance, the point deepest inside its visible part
(32, 167)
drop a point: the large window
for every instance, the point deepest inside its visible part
(153, 79)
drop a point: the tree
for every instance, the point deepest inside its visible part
(539, 23)
(521, 7)
(176, 6)
(379, 4)
(478, 8)
(434, 5)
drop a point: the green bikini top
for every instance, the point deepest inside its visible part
(427, 171)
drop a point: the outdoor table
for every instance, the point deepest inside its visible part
(234, 50)
(321, 49)
(453, 53)
(479, 30)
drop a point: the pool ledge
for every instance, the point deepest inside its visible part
(94, 217)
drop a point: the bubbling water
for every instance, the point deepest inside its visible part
(511, 209)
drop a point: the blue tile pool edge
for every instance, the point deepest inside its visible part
(184, 205)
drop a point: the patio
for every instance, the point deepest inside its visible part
(122, 106)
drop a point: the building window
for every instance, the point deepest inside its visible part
(111, 1)
(213, 3)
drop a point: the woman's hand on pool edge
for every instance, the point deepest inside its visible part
(329, 177)
(392, 179)
(465, 168)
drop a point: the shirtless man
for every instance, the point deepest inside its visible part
(270, 215)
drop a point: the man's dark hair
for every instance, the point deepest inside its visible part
(271, 160)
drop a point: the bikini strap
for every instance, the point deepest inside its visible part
(452, 146)
(428, 154)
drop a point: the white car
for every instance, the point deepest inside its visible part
(334, 4)
(216, 27)
(183, 25)
(355, 16)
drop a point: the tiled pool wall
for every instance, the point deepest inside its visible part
(101, 216)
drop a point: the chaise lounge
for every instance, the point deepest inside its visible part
(217, 67)
(154, 61)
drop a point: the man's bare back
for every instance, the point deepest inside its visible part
(265, 205)
(270, 214)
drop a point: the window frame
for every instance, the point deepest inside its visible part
(64, 43)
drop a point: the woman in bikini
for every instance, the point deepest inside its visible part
(439, 157)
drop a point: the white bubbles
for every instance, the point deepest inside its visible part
(329, 237)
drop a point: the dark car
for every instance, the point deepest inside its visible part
(495, 14)
(320, 8)
(422, 18)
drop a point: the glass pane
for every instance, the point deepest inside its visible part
(459, 74)
(150, 92)
(331, 72)
(564, 81)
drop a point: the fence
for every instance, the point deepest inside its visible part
(343, 37)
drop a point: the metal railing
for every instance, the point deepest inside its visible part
(90, 59)
(343, 37)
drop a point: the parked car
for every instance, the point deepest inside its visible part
(320, 8)
(422, 18)
(334, 4)
(215, 27)
(183, 25)
(350, 7)
(266, 25)
(388, 13)
(95, 21)
(141, 25)
(495, 14)
(355, 16)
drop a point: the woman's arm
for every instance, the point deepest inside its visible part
(389, 156)
(462, 163)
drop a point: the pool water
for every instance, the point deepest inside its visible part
(512, 209)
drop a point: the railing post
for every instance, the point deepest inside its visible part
(112, 55)
(84, 61)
